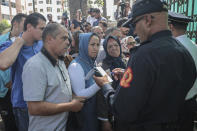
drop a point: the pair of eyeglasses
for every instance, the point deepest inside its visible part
(136, 21)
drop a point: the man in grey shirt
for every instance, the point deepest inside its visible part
(46, 84)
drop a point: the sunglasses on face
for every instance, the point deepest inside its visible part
(133, 24)
(136, 21)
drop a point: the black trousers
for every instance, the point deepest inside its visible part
(171, 126)
(187, 115)
(7, 113)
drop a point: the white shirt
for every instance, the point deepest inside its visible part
(91, 20)
(192, 48)
(77, 78)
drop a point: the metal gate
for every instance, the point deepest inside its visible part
(188, 8)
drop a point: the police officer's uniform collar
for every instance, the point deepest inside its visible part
(50, 58)
(157, 35)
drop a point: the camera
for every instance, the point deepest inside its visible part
(99, 72)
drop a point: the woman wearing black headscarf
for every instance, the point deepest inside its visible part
(112, 60)
(113, 57)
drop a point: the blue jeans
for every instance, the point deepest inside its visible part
(21, 118)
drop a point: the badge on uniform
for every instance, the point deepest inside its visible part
(127, 78)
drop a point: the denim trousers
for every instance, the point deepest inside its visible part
(21, 118)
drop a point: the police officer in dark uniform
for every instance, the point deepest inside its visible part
(178, 25)
(159, 75)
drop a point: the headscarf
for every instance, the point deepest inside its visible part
(84, 39)
(114, 62)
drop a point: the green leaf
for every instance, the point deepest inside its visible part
(4, 25)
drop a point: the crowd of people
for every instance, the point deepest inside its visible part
(49, 80)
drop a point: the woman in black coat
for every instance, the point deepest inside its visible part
(112, 60)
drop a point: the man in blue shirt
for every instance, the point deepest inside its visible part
(16, 28)
(98, 17)
(23, 48)
(5, 79)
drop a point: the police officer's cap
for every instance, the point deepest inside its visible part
(178, 18)
(141, 7)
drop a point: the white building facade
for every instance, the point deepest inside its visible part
(9, 9)
(45, 7)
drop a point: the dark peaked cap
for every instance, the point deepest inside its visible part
(178, 18)
(141, 7)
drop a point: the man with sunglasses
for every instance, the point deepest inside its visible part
(160, 72)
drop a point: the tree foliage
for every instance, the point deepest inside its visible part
(100, 3)
(4, 25)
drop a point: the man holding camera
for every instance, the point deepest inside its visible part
(160, 72)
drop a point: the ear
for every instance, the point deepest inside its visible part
(29, 27)
(148, 20)
(49, 39)
(171, 27)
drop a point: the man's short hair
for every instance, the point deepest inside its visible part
(86, 24)
(52, 29)
(111, 30)
(33, 20)
(121, 21)
(91, 10)
(18, 18)
(179, 26)
(96, 27)
(49, 15)
(104, 23)
(96, 10)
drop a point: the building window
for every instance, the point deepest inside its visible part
(40, 2)
(49, 9)
(5, 2)
(13, 5)
(49, 1)
(58, 17)
(29, 4)
(58, 2)
(41, 10)
(4, 16)
(30, 12)
(58, 9)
